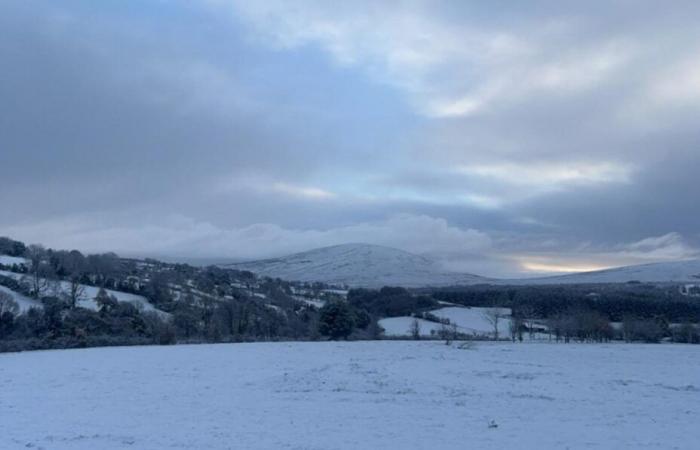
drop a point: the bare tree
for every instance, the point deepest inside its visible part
(8, 304)
(103, 266)
(39, 270)
(516, 328)
(527, 314)
(75, 291)
(448, 332)
(75, 266)
(444, 333)
(494, 316)
(414, 329)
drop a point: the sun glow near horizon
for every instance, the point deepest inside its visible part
(559, 268)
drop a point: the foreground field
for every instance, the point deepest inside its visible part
(356, 395)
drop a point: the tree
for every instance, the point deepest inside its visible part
(646, 330)
(448, 332)
(103, 266)
(336, 320)
(105, 302)
(11, 247)
(39, 270)
(494, 316)
(516, 328)
(75, 290)
(527, 316)
(8, 304)
(414, 329)
(75, 265)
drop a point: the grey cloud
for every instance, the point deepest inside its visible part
(551, 125)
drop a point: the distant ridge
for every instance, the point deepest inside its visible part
(666, 272)
(359, 265)
(373, 266)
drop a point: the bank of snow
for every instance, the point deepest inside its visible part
(24, 303)
(87, 298)
(6, 260)
(355, 395)
(471, 321)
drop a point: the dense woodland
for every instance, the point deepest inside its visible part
(213, 304)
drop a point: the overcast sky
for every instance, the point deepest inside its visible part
(504, 138)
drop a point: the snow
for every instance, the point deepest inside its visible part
(90, 292)
(667, 272)
(468, 320)
(372, 266)
(359, 265)
(340, 292)
(353, 395)
(6, 260)
(318, 303)
(401, 326)
(24, 303)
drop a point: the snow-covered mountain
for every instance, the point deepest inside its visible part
(671, 272)
(364, 265)
(359, 265)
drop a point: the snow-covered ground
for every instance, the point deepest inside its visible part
(318, 303)
(401, 326)
(470, 321)
(6, 260)
(24, 303)
(354, 395)
(676, 271)
(89, 294)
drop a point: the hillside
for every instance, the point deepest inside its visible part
(359, 265)
(373, 266)
(666, 272)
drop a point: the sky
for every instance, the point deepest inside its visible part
(501, 138)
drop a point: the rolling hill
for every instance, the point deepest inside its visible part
(359, 265)
(373, 266)
(665, 272)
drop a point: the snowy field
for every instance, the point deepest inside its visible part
(24, 303)
(355, 395)
(469, 320)
(10, 260)
(87, 299)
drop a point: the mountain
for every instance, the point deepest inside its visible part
(373, 266)
(359, 265)
(666, 272)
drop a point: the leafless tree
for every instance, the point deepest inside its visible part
(444, 333)
(39, 270)
(448, 332)
(8, 304)
(75, 266)
(103, 265)
(414, 329)
(516, 328)
(494, 316)
(75, 291)
(527, 314)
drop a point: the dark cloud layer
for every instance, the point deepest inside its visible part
(496, 136)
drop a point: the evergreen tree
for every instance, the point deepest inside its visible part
(336, 320)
